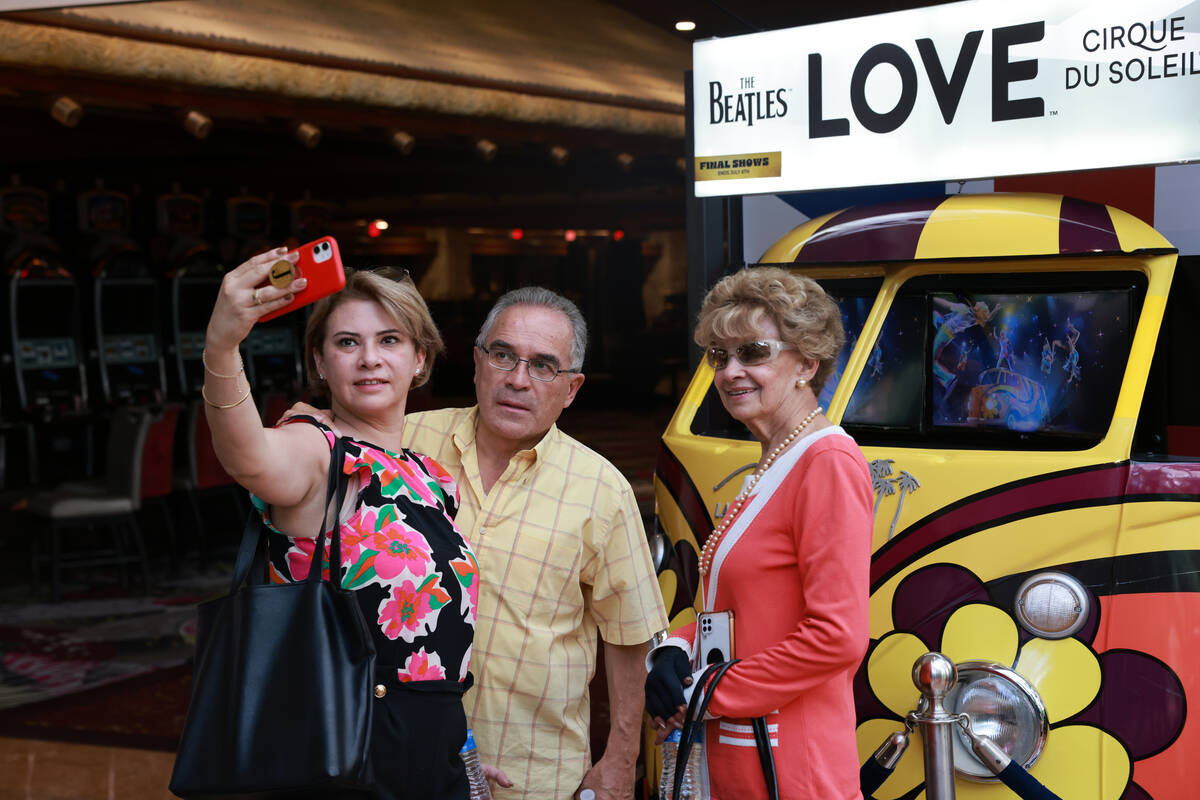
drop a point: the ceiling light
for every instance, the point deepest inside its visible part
(685, 25)
(382, 224)
(404, 142)
(66, 111)
(307, 134)
(198, 124)
(486, 149)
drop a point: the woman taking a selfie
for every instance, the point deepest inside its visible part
(789, 558)
(412, 573)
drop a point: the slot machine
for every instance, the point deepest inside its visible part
(272, 355)
(194, 273)
(126, 304)
(45, 389)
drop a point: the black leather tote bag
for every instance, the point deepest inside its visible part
(695, 718)
(281, 694)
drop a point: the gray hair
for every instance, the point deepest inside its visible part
(539, 296)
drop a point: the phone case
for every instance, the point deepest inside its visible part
(714, 643)
(321, 263)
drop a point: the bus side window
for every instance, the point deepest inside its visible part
(1169, 419)
(1031, 362)
(890, 389)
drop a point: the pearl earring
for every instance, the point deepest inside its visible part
(801, 383)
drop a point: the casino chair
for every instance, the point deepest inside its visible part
(200, 472)
(107, 504)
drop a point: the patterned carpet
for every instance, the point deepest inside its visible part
(106, 669)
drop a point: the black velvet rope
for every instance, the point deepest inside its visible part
(1025, 785)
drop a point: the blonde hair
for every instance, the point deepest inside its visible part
(399, 299)
(808, 319)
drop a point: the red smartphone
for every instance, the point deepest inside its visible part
(320, 262)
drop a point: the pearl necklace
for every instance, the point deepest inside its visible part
(714, 538)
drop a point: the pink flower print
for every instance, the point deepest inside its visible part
(404, 614)
(467, 571)
(352, 540)
(398, 549)
(446, 483)
(404, 475)
(384, 465)
(422, 666)
(299, 557)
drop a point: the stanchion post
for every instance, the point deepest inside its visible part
(935, 675)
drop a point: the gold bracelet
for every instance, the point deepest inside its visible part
(241, 367)
(238, 402)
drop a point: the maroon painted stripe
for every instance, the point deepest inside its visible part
(1068, 489)
(1086, 227)
(1164, 478)
(680, 485)
(885, 232)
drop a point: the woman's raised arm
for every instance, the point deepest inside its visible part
(280, 466)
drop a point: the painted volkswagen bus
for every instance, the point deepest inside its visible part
(1009, 377)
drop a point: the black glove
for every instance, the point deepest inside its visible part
(664, 685)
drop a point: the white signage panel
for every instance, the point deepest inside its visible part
(973, 89)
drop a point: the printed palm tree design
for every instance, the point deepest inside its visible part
(881, 479)
(906, 483)
(885, 485)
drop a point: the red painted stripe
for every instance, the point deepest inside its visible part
(680, 485)
(885, 232)
(1071, 488)
(1164, 477)
(1086, 227)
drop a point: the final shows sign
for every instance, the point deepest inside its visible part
(980, 88)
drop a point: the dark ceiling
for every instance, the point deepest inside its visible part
(737, 17)
(130, 138)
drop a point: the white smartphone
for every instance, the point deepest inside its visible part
(714, 644)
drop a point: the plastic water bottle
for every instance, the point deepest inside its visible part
(695, 775)
(475, 776)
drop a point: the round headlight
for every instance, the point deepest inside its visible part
(660, 550)
(1052, 605)
(1002, 706)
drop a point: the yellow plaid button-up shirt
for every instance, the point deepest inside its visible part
(562, 558)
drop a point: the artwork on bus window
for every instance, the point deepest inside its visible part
(855, 308)
(1029, 362)
(889, 390)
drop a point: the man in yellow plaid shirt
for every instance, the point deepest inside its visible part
(562, 555)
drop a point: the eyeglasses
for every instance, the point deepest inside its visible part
(539, 369)
(748, 354)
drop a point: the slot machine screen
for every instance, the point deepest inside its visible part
(128, 308)
(45, 309)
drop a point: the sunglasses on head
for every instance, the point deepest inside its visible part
(748, 354)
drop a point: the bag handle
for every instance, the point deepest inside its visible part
(338, 487)
(695, 716)
(254, 534)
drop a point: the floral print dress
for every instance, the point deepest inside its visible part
(415, 577)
